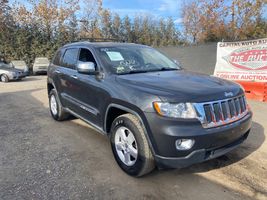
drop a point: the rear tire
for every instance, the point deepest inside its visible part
(4, 78)
(130, 146)
(57, 111)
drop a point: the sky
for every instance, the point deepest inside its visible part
(157, 8)
(154, 8)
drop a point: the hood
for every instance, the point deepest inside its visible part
(182, 86)
(10, 69)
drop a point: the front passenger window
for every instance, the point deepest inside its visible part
(86, 56)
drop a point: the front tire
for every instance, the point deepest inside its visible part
(4, 78)
(130, 146)
(57, 111)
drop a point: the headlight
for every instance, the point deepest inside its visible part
(13, 74)
(180, 110)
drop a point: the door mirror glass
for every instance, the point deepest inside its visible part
(86, 67)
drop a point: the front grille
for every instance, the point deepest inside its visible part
(42, 67)
(217, 113)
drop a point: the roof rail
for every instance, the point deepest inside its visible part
(98, 40)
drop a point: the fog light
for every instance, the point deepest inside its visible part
(184, 144)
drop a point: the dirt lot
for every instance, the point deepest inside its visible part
(44, 159)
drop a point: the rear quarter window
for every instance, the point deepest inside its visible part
(57, 58)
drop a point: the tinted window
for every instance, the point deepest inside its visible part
(56, 60)
(86, 56)
(70, 58)
(130, 59)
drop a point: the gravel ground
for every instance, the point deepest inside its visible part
(44, 159)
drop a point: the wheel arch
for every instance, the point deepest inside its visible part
(6, 75)
(50, 85)
(120, 110)
(2, 74)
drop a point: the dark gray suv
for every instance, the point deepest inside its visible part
(154, 113)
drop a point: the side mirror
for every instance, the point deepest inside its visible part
(86, 68)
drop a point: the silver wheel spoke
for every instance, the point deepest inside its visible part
(119, 146)
(53, 105)
(130, 139)
(127, 158)
(133, 152)
(126, 146)
(121, 133)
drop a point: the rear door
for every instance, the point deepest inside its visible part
(67, 74)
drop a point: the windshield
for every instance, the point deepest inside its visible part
(18, 63)
(4, 65)
(133, 59)
(41, 61)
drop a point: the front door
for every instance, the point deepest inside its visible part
(89, 93)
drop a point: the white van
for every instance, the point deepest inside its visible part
(40, 65)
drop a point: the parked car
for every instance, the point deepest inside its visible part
(155, 113)
(7, 73)
(20, 64)
(40, 65)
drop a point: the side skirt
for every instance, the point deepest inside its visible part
(97, 128)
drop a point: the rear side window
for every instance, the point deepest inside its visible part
(56, 60)
(70, 58)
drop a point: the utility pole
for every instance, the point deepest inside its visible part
(233, 24)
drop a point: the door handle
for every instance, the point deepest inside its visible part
(74, 76)
(57, 71)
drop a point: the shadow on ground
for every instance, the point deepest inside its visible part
(30, 78)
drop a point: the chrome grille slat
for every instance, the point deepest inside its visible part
(213, 117)
(232, 108)
(228, 110)
(217, 113)
(221, 111)
(238, 105)
(241, 104)
(206, 109)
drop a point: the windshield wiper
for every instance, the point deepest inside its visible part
(167, 69)
(145, 71)
(134, 72)
(137, 71)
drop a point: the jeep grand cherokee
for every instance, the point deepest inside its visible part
(154, 113)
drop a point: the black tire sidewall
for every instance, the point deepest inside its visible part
(139, 164)
(6, 78)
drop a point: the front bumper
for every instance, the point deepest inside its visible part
(18, 76)
(209, 143)
(198, 156)
(40, 69)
